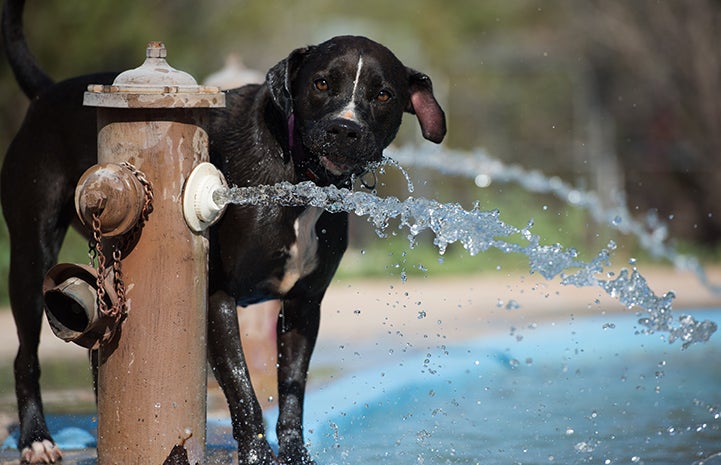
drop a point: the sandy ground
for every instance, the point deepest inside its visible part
(365, 320)
(367, 310)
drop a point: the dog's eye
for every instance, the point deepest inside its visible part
(383, 96)
(321, 84)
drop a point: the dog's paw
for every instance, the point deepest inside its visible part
(41, 452)
(301, 457)
(256, 453)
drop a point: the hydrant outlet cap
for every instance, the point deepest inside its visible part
(199, 208)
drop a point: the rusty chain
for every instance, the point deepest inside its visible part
(120, 246)
(97, 255)
(148, 190)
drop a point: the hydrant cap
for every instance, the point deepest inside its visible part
(154, 72)
(154, 84)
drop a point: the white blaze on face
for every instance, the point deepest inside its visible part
(348, 112)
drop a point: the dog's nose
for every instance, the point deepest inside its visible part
(345, 131)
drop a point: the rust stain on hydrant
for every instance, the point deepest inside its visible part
(179, 454)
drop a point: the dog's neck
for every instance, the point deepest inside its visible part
(300, 157)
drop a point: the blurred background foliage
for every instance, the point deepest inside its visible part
(613, 96)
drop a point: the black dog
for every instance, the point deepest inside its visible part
(324, 114)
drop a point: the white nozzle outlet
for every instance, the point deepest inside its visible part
(199, 208)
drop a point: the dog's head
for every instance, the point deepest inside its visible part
(344, 100)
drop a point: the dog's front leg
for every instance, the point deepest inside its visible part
(297, 332)
(230, 369)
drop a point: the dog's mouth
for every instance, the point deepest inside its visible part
(335, 156)
(336, 168)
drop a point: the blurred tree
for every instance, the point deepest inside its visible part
(657, 65)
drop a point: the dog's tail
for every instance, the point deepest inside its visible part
(31, 78)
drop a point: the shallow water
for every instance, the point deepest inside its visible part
(574, 392)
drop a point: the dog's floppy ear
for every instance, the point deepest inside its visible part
(280, 79)
(424, 105)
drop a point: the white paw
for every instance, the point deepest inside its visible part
(41, 452)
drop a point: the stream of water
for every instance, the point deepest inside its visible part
(652, 232)
(477, 231)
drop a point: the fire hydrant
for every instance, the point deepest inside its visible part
(152, 375)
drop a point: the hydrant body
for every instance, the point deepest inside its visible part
(152, 377)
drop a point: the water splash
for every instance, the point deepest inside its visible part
(478, 231)
(652, 234)
(380, 168)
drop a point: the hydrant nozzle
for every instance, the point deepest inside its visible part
(199, 208)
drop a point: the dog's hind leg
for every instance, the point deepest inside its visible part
(231, 370)
(35, 242)
(297, 333)
(37, 204)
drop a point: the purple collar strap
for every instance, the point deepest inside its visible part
(299, 155)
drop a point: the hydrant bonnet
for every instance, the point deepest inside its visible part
(154, 84)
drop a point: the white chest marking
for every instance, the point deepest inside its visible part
(303, 257)
(348, 112)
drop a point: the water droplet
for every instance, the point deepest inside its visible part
(422, 435)
(583, 446)
(574, 197)
(482, 180)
